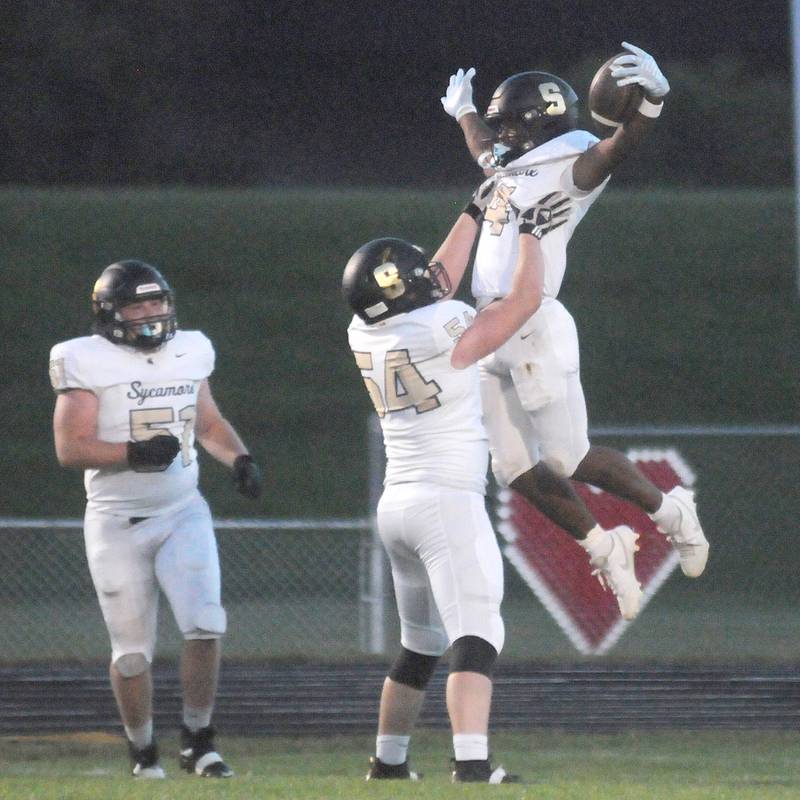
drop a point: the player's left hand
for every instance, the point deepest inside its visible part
(547, 214)
(247, 477)
(639, 67)
(458, 98)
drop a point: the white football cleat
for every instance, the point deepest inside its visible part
(616, 571)
(686, 535)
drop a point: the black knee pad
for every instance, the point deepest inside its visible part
(472, 654)
(413, 669)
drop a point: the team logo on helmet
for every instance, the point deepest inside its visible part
(527, 110)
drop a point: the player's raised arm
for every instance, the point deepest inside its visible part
(501, 319)
(457, 102)
(455, 250)
(598, 162)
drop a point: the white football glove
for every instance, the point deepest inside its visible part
(458, 98)
(639, 67)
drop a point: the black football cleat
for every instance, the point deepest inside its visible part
(378, 771)
(144, 762)
(480, 772)
(199, 756)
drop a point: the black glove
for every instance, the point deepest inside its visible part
(247, 476)
(479, 200)
(153, 455)
(547, 214)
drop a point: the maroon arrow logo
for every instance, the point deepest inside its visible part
(557, 569)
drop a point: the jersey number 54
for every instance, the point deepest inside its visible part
(404, 386)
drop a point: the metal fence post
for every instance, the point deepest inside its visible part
(374, 559)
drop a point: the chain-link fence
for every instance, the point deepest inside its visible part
(321, 590)
(292, 589)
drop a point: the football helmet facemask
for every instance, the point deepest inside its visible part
(390, 276)
(122, 284)
(528, 109)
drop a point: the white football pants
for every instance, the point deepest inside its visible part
(533, 403)
(128, 563)
(446, 566)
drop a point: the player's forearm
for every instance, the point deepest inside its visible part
(500, 320)
(630, 135)
(91, 453)
(598, 162)
(477, 134)
(221, 441)
(492, 328)
(455, 250)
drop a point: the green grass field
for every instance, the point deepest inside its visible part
(740, 765)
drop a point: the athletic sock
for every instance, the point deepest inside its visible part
(667, 513)
(470, 747)
(392, 749)
(598, 544)
(142, 736)
(196, 718)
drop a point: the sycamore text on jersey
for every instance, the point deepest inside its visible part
(141, 394)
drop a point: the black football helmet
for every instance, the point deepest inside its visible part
(528, 109)
(127, 282)
(389, 276)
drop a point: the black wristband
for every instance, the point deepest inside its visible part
(473, 211)
(528, 227)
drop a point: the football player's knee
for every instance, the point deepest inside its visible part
(209, 622)
(473, 654)
(506, 470)
(430, 641)
(413, 669)
(129, 665)
(563, 461)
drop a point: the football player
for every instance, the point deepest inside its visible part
(131, 400)
(529, 143)
(417, 350)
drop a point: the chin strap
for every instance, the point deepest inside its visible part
(500, 154)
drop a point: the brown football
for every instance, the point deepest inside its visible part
(611, 105)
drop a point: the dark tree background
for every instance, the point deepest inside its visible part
(248, 93)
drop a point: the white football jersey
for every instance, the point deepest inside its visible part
(430, 412)
(140, 394)
(518, 186)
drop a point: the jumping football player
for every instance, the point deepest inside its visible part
(131, 400)
(417, 351)
(535, 411)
